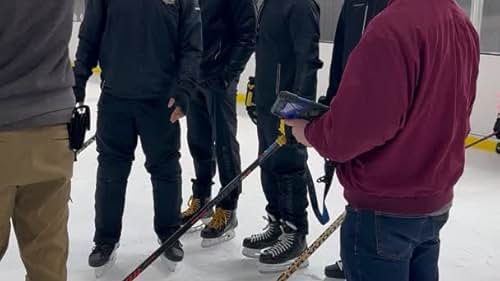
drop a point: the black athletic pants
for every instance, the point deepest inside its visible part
(212, 140)
(120, 122)
(283, 175)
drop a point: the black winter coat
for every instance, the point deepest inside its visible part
(288, 48)
(229, 33)
(146, 49)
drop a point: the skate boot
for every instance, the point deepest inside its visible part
(102, 258)
(220, 229)
(172, 256)
(194, 205)
(253, 245)
(278, 257)
(335, 272)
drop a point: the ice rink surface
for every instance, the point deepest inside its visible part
(470, 240)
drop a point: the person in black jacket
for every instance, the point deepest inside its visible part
(149, 52)
(287, 58)
(354, 17)
(229, 31)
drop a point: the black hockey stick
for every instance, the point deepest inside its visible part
(86, 144)
(481, 140)
(224, 192)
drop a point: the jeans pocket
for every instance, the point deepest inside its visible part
(396, 237)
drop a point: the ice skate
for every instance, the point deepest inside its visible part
(256, 243)
(335, 272)
(172, 256)
(194, 205)
(281, 255)
(220, 229)
(103, 258)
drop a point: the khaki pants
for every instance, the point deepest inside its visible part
(35, 172)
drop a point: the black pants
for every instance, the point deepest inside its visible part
(119, 123)
(212, 140)
(283, 175)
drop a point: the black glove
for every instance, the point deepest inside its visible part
(497, 128)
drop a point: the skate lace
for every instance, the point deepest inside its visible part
(269, 231)
(194, 205)
(285, 242)
(219, 219)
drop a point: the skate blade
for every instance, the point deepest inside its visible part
(278, 268)
(251, 253)
(102, 270)
(171, 266)
(207, 243)
(200, 225)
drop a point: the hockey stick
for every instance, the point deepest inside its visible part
(86, 144)
(481, 140)
(224, 192)
(311, 249)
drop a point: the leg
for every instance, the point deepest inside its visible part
(424, 263)
(7, 198)
(376, 247)
(223, 116)
(201, 145)
(40, 223)
(40, 213)
(267, 133)
(116, 143)
(160, 141)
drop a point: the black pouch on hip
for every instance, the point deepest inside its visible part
(78, 126)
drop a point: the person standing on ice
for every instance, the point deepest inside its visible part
(353, 20)
(149, 52)
(396, 130)
(287, 58)
(36, 163)
(229, 30)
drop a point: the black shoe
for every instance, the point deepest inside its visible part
(290, 245)
(194, 205)
(174, 253)
(253, 245)
(220, 228)
(102, 254)
(335, 271)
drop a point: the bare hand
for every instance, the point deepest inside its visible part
(298, 130)
(177, 113)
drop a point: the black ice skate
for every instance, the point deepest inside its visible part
(220, 229)
(172, 256)
(335, 272)
(282, 254)
(256, 243)
(102, 258)
(194, 205)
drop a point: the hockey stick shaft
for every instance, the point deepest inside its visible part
(86, 144)
(481, 140)
(224, 192)
(311, 249)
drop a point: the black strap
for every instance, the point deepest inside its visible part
(323, 217)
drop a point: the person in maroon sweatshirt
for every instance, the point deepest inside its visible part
(396, 129)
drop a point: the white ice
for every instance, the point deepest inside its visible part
(470, 241)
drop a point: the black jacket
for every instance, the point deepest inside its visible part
(146, 49)
(288, 41)
(229, 32)
(354, 17)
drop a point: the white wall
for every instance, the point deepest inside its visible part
(484, 113)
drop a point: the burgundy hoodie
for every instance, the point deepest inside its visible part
(398, 123)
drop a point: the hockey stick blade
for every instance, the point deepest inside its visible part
(311, 249)
(224, 192)
(481, 140)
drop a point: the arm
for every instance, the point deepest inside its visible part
(190, 49)
(304, 31)
(88, 47)
(244, 31)
(372, 101)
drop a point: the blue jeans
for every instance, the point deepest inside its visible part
(381, 247)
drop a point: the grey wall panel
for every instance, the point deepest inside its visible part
(330, 11)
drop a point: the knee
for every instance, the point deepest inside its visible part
(167, 169)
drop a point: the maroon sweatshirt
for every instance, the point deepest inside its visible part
(398, 123)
